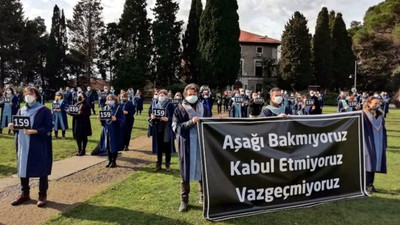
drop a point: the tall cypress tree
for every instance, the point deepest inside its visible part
(108, 51)
(56, 50)
(166, 41)
(190, 43)
(343, 56)
(85, 29)
(133, 67)
(295, 62)
(322, 50)
(11, 26)
(219, 43)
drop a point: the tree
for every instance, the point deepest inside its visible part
(322, 50)
(190, 43)
(219, 46)
(11, 26)
(33, 52)
(342, 52)
(295, 62)
(56, 50)
(109, 45)
(166, 43)
(133, 68)
(85, 30)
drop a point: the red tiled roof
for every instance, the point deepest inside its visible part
(248, 37)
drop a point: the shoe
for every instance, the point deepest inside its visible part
(113, 164)
(167, 168)
(126, 148)
(157, 168)
(109, 164)
(183, 207)
(42, 200)
(81, 153)
(23, 197)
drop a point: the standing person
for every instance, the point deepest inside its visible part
(219, 103)
(255, 106)
(343, 103)
(184, 124)
(235, 105)
(208, 101)
(9, 104)
(112, 133)
(385, 103)
(68, 96)
(81, 127)
(375, 141)
(138, 102)
(91, 96)
(276, 106)
(316, 107)
(59, 109)
(245, 105)
(225, 101)
(161, 131)
(103, 96)
(42, 96)
(128, 109)
(34, 147)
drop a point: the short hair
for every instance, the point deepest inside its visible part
(191, 86)
(34, 90)
(163, 91)
(273, 90)
(125, 95)
(113, 97)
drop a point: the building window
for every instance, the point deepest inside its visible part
(241, 68)
(258, 68)
(274, 53)
(259, 49)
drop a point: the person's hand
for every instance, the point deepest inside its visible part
(313, 107)
(153, 117)
(164, 118)
(11, 126)
(30, 131)
(113, 118)
(125, 112)
(195, 120)
(283, 115)
(98, 117)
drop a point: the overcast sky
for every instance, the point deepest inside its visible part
(264, 17)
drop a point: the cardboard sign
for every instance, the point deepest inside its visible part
(176, 101)
(159, 113)
(259, 101)
(21, 122)
(105, 115)
(238, 100)
(73, 109)
(6, 99)
(309, 102)
(352, 103)
(56, 106)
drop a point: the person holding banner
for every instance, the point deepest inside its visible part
(276, 105)
(59, 108)
(81, 127)
(112, 119)
(375, 141)
(161, 130)
(33, 144)
(9, 104)
(184, 124)
(128, 108)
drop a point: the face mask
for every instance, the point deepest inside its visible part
(161, 99)
(242, 93)
(191, 99)
(88, 89)
(155, 97)
(237, 95)
(111, 103)
(278, 99)
(29, 99)
(205, 96)
(178, 97)
(8, 91)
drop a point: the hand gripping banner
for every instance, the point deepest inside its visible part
(253, 166)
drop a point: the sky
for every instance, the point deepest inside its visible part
(264, 17)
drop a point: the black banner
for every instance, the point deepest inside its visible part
(253, 166)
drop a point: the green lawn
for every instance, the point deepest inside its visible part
(153, 198)
(62, 148)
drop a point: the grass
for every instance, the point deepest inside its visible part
(62, 148)
(153, 198)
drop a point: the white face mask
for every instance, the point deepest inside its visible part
(29, 99)
(8, 91)
(161, 99)
(155, 97)
(278, 99)
(191, 99)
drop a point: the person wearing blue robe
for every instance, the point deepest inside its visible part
(277, 106)
(103, 95)
(375, 141)
(235, 108)
(34, 147)
(42, 96)
(208, 100)
(184, 124)
(112, 136)
(138, 102)
(60, 119)
(343, 104)
(91, 98)
(385, 103)
(161, 131)
(9, 104)
(68, 95)
(128, 108)
(81, 126)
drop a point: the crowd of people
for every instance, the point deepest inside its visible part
(172, 117)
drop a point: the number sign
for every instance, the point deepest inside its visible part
(352, 103)
(176, 101)
(159, 112)
(309, 102)
(238, 99)
(21, 122)
(105, 115)
(73, 109)
(259, 101)
(56, 106)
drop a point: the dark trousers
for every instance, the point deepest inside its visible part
(219, 108)
(92, 105)
(163, 147)
(185, 190)
(81, 141)
(370, 177)
(43, 184)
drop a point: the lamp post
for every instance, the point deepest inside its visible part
(355, 75)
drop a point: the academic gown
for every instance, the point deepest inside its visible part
(34, 152)
(112, 130)
(182, 125)
(168, 134)
(81, 125)
(64, 106)
(139, 102)
(268, 112)
(370, 136)
(129, 120)
(13, 110)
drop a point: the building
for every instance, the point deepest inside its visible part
(258, 63)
